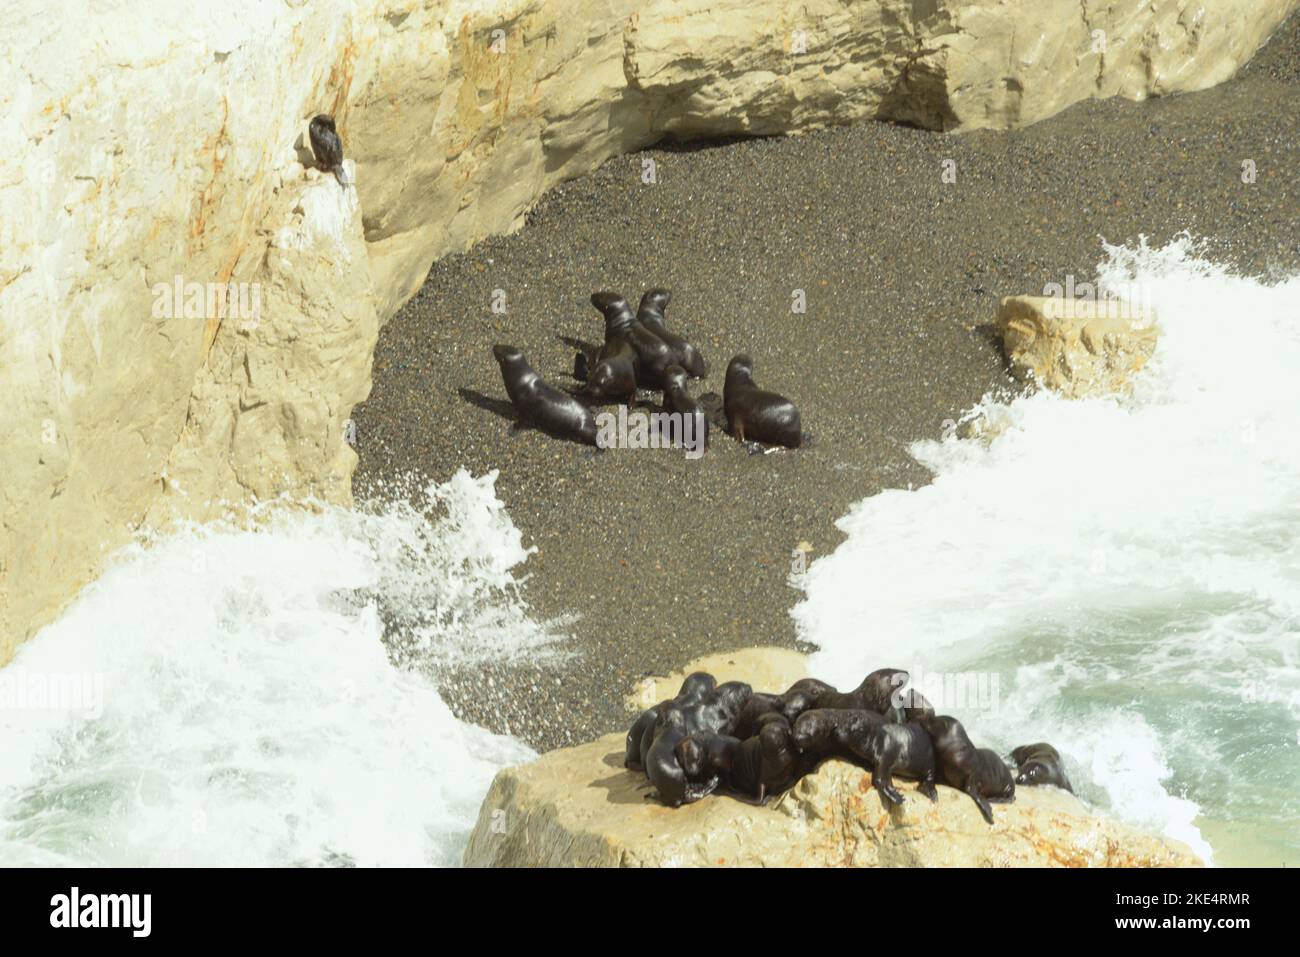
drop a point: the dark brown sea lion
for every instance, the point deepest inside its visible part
(678, 401)
(755, 415)
(1040, 764)
(753, 769)
(611, 373)
(761, 705)
(875, 693)
(652, 355)
(651, 315)
(661, 764)
(639, 738)
(835, 732)
(977, 771)
(540, 404)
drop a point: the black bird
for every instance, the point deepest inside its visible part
(327, 146)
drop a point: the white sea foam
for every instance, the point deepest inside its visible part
(1130, 568)
(251, 714)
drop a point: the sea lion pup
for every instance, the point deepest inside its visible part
(716, 710)
(678, 400)
(885, 748)
(751, 770)
(650, 314)
(762, 705)
(719, 710)
(652, 355)
(977, 771)
(661, 764)
(875, 693)
(327, 146)
(541, 405)
(755, 415)
(693, 689)
(611, 373)
(834, 732)
(1040, 764)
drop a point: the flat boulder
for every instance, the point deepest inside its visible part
(579, 807)
(1076, 347)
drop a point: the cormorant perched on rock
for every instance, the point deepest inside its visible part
(327, 146)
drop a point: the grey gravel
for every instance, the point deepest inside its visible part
(664, 559)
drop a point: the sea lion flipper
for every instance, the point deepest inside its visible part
(982, 803)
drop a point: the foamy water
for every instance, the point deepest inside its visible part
(250, 714)
(1129, 570)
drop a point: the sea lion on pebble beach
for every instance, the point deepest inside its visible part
(679, 401)
(652, 355)
(1040, 764)
(754, 414)
(977, 771)
(611, 373)
(650, 314)
(542, 405)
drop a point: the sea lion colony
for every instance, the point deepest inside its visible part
(640, 352)
(752, 744)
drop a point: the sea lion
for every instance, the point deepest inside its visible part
(327, 146)
(611, 373)
(541, 405)
(755, 415)
(718, 710)
(875, 693)
(761, 705)
(977, 771)
(904, 749)
(652, 355)
(650, 314)
(661, 763)
(884, 747)
(715, 710)
(834, 732)
(752, 769)
(1040, 764)
(693, 689)
(677, 400)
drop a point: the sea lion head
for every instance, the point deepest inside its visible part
(940, 727)
(601, 379)
(690, 756)
(695, 687)
(507, 354)
(881, 688)
(740, 371)
(795, 703)
(656, 299)
(609, 302)
(674, 377)
(1034, 772)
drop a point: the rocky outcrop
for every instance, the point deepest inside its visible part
(1076, 347)
(162, 148)
(579, 807)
